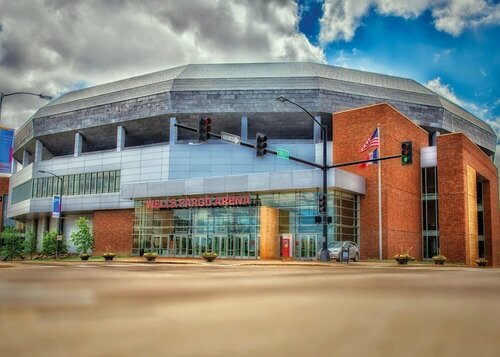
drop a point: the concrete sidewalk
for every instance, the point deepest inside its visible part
(244, 262)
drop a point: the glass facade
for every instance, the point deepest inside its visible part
(233, 232)
(430, 224)
(480, 220)
(78, 184)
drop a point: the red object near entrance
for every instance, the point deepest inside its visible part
(285, 247)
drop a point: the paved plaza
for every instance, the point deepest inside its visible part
(236, 309)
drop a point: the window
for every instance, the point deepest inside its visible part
(430, 213)
(79, 184)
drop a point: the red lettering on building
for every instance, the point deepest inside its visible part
(169, 203)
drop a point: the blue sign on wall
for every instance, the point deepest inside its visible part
(6, 138)
(56, 207)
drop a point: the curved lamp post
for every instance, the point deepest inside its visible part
(3, 95)
(324, 255)
(59, 223)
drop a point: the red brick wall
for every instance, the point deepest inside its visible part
(4, 189)
(454, 153)
(401, 190)
(113, 231)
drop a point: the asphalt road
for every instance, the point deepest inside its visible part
(121, 309)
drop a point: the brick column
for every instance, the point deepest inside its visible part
(113, 231)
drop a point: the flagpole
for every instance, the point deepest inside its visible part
(379, 195)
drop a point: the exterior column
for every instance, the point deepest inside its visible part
(26, 158)
(78, 145)
(13, 168)
(244, 128)
(434, 136)
(173, 131)
(38, 151)
(120, 138)
(269, 237)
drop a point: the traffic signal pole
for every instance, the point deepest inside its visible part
(324, 254)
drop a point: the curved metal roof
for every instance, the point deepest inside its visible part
(255, 76)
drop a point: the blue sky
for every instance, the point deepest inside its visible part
(463, 65)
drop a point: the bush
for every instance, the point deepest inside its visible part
(481, 262)
(29, 243)
(11, 244)
(439, 259)
(49, 244)
(83, 238)
(150, 256)
(209, 256)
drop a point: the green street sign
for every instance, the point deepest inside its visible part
(283, 154)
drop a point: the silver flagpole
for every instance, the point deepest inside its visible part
(379, 195)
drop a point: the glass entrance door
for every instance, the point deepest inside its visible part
(178, 245)
(241, 246)
(221, 245)
(306, 246)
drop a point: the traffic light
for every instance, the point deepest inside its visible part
(406, 153)
(204, 129)
(261, 144)
(322, 203)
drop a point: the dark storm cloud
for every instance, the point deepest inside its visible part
(55, 45)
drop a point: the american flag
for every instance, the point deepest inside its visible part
(372, 142)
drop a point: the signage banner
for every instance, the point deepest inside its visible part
(209, 201)
(6, 139)
(56, 206)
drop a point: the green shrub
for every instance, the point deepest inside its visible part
(49, 244)
(11, 244)
(83, 238)
(29, 243)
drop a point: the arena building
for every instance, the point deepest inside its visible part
(147, 185)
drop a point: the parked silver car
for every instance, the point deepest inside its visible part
(335, 249)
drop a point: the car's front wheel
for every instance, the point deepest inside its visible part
(356, 257)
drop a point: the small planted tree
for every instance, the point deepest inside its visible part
(49, 244)
(12, 247)
(29, 244)
(83, 238)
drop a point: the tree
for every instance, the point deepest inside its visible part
(29, 244)
(83, 238)
(11, 244)
(49, 244)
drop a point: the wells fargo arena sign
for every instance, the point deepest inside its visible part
(209, 201)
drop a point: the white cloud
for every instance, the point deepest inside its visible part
(482, 111)
(55, 45)
(456, 15)
(404, 8)
(341, 18)
(444, 90)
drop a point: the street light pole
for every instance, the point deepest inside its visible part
(3, 95)
(59, 222)
(324, 254)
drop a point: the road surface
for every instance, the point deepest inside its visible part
(122, 309)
